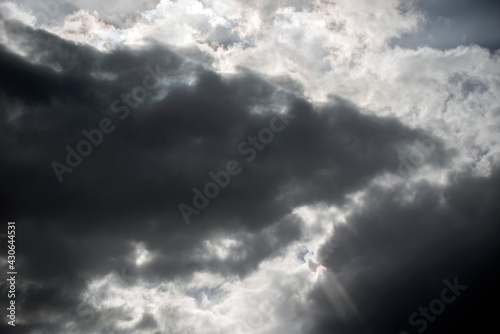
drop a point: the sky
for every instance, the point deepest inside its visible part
(233, 166)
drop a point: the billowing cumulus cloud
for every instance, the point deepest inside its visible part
(228, 166)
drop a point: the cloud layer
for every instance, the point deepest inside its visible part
(366, 157)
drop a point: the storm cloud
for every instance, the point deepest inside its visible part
(220, 166)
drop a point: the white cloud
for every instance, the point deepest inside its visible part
(266, 301)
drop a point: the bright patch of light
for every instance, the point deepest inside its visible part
(142, 255)
(220, 248)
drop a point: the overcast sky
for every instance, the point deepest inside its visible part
(233, 166)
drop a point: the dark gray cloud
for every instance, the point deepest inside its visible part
(393, 258)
